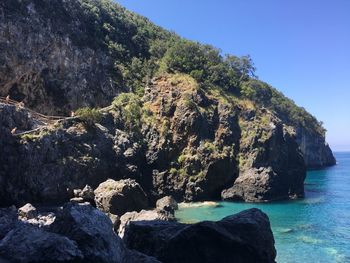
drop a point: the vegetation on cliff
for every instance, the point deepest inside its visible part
(188, 121)
(142, 50)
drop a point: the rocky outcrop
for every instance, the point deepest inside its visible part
(168, 204)
(315, 149)
(119, 197)
(165, 211)
(27, 211)
(27, 243)
(191, 142)
(143, 215)
(187, 144)
(272, 167)
(228, 240)
(50, 164)
(46, 63)
(183, 138)
(91, 230)
(79, 233)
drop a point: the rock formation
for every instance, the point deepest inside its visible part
(119, 197)
(79, 233)
(188, 144)
(228, 240)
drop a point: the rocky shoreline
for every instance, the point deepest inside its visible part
(78, 232)
(103, 184)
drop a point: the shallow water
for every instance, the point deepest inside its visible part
(314, 229)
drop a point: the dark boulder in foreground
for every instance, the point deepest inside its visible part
(244, 237)
(79, 233)
(82, 233)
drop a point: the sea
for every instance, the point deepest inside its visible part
(315, 229)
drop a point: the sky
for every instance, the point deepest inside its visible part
(301, 47)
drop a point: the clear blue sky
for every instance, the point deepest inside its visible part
(301, 47)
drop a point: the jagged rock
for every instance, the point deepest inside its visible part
(244, 237)
(68, 72)
(53, 162)
(119, 197)
(316, 151)
(80, 233)
(165, 210)
(167, 203)
(27, 243)
(92, 230)
(190, 136)
(143, 215)
(27, 211)
(272, 167)
(43, 220)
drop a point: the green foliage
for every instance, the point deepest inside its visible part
(89, 116)
(173, 171)
(129, 108)
(205, 64)
(139, 50)
(266, 96)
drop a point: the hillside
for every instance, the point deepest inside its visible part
(188, 121)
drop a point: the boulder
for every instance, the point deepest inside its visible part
(92, 230)
(167, 203)
(26, 243)
(119, 197)
(143, 215)
(271, 164)
(27, 211)
(76, 233)
(165, 211)
(244, 237)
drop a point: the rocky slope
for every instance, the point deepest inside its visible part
(62, 55)
(196, 136)
(177, 140)
(80, 233)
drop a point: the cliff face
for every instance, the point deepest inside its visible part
(177, 140)
(60, 55)
(193, 128)
(315, 149)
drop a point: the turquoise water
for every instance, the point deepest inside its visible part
(315, 229)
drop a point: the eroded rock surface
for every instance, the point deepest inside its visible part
(244, 237)
(77, 233)
(119, 197)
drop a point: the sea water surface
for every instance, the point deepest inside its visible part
(312, 230)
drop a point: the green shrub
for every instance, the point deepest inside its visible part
(89, 116)
(129, 108)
